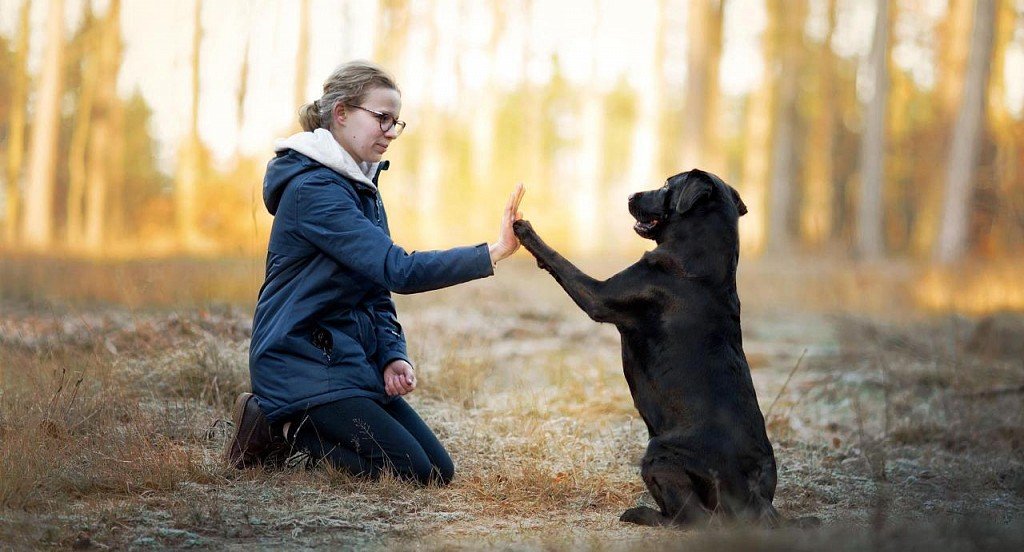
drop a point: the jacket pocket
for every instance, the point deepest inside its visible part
(322, 339)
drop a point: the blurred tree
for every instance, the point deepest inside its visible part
(189, 162)
(643, 165)
(148, 199)
(392, 32)
(787, 78)
(589, 141)
(952, 37)
(105, 146)
(483, 116)
(16, 124)
(243, 87)
(870, 208)
(1006, 232)
(701, 145)
(430, 162)
(753, 185)
(301, 60)
(88, 40)
(961, 172)
(816, 209)
(37, 222)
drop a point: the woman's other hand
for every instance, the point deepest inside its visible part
(399, 378)
(507, 243)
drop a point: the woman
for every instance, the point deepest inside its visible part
(328, 358)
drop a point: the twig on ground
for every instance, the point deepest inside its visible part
(785, 384)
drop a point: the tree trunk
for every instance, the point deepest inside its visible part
(37, 227)
(953, 37)
(243, 87)
(963, 155)
(188, 157)
(83, 127)
(870, 241)
(1007, 231)
(645, 144)
(302, 56)
(430, 166)
(586, 236)
(753, 185)
(700, 146)
(102, 145)
(783, 173)
(816, 210)
(16, 135)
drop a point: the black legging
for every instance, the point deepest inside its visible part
(367, 438)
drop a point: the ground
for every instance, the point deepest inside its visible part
(895, 425)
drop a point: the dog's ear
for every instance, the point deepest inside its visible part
(696, 187)
(740, 206)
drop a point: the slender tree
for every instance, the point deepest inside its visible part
(189, 155)
(16, 133)
(646, 140)
(952, 37)
(243, 88)
(700, 146)
(586, 236)
(82, 127)
(37, 224)
(816, 211)
(783, 169)
(870, 239)
(757, 140)
(302, 56)
(1008, 133)
(963, 155)
(104, 169)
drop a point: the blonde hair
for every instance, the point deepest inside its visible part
(348, 84)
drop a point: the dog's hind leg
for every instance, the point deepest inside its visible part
(672, 488)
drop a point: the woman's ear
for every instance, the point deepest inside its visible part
(339, 113)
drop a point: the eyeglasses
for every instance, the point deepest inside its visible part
(386, 120)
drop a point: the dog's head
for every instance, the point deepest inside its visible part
(688, 197)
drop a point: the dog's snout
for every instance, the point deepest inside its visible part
(632, 196)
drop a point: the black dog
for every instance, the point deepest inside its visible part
(682, 352)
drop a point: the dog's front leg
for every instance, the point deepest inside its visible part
(588, 293)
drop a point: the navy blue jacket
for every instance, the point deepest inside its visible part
(325, 325)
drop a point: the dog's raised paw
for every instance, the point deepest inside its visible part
(522, 228)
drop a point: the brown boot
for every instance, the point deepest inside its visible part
(252, 443)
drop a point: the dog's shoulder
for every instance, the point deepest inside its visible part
(666, 262)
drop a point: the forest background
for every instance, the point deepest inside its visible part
(866, 129)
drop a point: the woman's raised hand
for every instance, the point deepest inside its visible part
(507, 243)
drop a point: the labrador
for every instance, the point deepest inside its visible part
(678, 314)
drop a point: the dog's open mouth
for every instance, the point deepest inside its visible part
(648, 228)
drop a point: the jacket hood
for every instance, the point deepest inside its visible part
(317, 149)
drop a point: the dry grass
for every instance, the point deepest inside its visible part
(112, 420)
